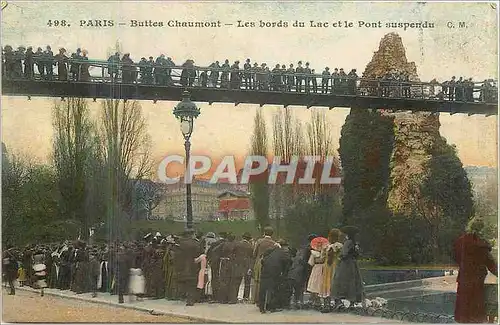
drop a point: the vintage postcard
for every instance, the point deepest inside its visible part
(249, 162)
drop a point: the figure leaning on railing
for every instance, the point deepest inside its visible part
(19, 64)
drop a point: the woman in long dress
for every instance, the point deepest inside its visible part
(168, 269)
(84, 67)
(40, 271)
(315, 283)
(331, 253)
(62, 69)
(347, 283)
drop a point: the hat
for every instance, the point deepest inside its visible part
(157, 234)
(311, 237)
(210, 235)
(349, 230)
(283, 242)
(247, 236)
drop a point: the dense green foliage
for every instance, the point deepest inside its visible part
(441, 200)
(30, 204)
(366, 146)
(309, 215)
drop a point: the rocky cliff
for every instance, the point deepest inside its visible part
(415, 134)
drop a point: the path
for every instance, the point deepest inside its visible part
(26, 307)
(240, 313)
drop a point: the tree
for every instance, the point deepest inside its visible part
(75, 150)
(148, 196)
(320, 144)
(287, 142)
(446, 201)
(259, 189)
(14, 176)
(127, 156)
(317, 207)
(366, 145)
(30, 203)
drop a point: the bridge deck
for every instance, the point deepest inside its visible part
(238, 96)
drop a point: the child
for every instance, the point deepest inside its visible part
(21, 274)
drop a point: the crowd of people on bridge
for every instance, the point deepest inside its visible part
(301, 78)
(200, 268)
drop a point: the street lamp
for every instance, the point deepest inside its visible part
(186, 111)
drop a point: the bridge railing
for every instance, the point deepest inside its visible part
(256, 80)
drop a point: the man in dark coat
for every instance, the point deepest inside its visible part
(474, 259)
(93, 271)
(64, 278)
(230, 271)
(9, 267)
(275, 264)
(28, 265)
(80, 269)
(213, 256)
(297, 277)
(245, 262)
(261, 246)
(185, 267)
(122, 272)
(157, 275)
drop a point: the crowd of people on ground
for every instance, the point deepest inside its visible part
(209, 268)
(300, 79)
(200, 268)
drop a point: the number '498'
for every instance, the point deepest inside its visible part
(56, 23)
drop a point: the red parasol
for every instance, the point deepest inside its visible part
(317, 242)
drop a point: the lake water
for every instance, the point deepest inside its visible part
(388, 276)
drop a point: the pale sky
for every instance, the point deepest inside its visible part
(224, 129)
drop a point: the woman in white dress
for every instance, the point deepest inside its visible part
(315, 283)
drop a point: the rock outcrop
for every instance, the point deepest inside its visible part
(415, 134)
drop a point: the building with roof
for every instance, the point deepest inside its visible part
(234, 205)
(204, 197)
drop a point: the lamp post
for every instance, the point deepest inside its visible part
(186, 111)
